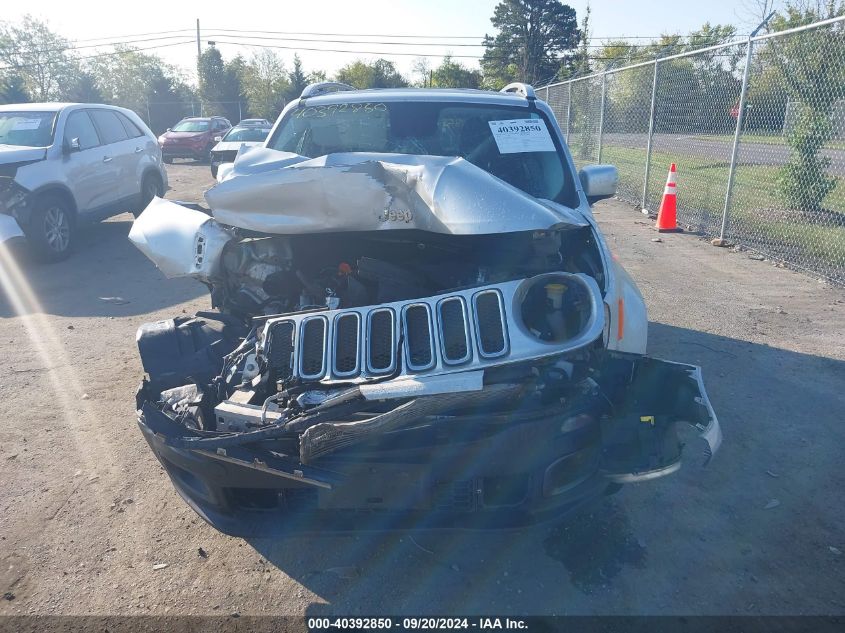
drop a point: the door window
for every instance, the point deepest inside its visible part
(131, 129)
(79, 126)
(110, 128)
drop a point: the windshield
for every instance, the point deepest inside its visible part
(247, 134)
(190, 126)
(512, 143)
(28, 129)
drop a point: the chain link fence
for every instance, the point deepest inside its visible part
(756, 129)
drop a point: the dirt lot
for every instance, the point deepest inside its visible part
(86, 512)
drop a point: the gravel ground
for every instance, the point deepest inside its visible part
(88, 519)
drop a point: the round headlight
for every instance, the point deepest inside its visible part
(555, 307)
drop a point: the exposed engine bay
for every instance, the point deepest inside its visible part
(279, 274)
(342, 362)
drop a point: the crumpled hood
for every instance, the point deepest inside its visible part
(277, 192)
(10, 154)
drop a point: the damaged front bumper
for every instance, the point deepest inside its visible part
(523, 465)
(9, 228)
(14, 208)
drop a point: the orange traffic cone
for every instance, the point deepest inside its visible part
(667, 221)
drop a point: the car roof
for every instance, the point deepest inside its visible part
(54, 107)
(421, 94)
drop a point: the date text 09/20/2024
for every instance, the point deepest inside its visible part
(423, 623)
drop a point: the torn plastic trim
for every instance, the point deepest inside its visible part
(641, 441)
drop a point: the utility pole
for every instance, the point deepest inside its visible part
(199, 46)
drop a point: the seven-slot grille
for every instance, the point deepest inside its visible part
(364, 342)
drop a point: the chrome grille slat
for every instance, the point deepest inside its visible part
(346, 354)
(419, 337)
(381, 341)
(455, 338)
(490, 322)
(281, 350)
(312, 355)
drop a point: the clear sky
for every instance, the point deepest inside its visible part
(109, 20)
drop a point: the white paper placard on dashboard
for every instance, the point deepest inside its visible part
(26, 124)
(522, 135)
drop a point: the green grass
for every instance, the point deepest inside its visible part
(756, 207)
(763, 139)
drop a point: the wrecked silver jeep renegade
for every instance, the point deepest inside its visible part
(418, 324)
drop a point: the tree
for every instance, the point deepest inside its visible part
(378, 74)
(450, 74)
(143, 83)
(266, 84)
(12, 90)
(296, 78)
(220, 84)
(810, 67)
(84, 89)
(421, 70)
(579, 64)
(533, 41)
(38, 56)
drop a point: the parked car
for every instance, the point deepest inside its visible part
(258, 122)
(420, 325)
(62, 163)
(231, 143)
(192, 137)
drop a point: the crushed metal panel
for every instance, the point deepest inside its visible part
(376, 192)
(180, 241)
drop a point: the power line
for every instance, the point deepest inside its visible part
(432, 37)
(113, 37)
(395, 53)
(379, 42)
(110, 54)
(216, 33)
(335, 50)
(117, 43)
(453, 37)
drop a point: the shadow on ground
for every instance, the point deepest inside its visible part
(105, 276)
(654, 547)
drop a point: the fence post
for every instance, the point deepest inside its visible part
(568, 108)
(737, 134)
(648, 142)
(601, 113)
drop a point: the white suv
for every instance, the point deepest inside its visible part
(65, 163)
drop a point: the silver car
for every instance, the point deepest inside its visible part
(62, 164)
(420, 325)
(240, 137)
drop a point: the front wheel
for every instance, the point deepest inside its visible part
(151, 187)
(51, 230)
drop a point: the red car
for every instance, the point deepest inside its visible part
(192, 137)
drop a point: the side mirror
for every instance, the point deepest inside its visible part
(71, 146)
(217, 139)
(168, 129)
(598, 182)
